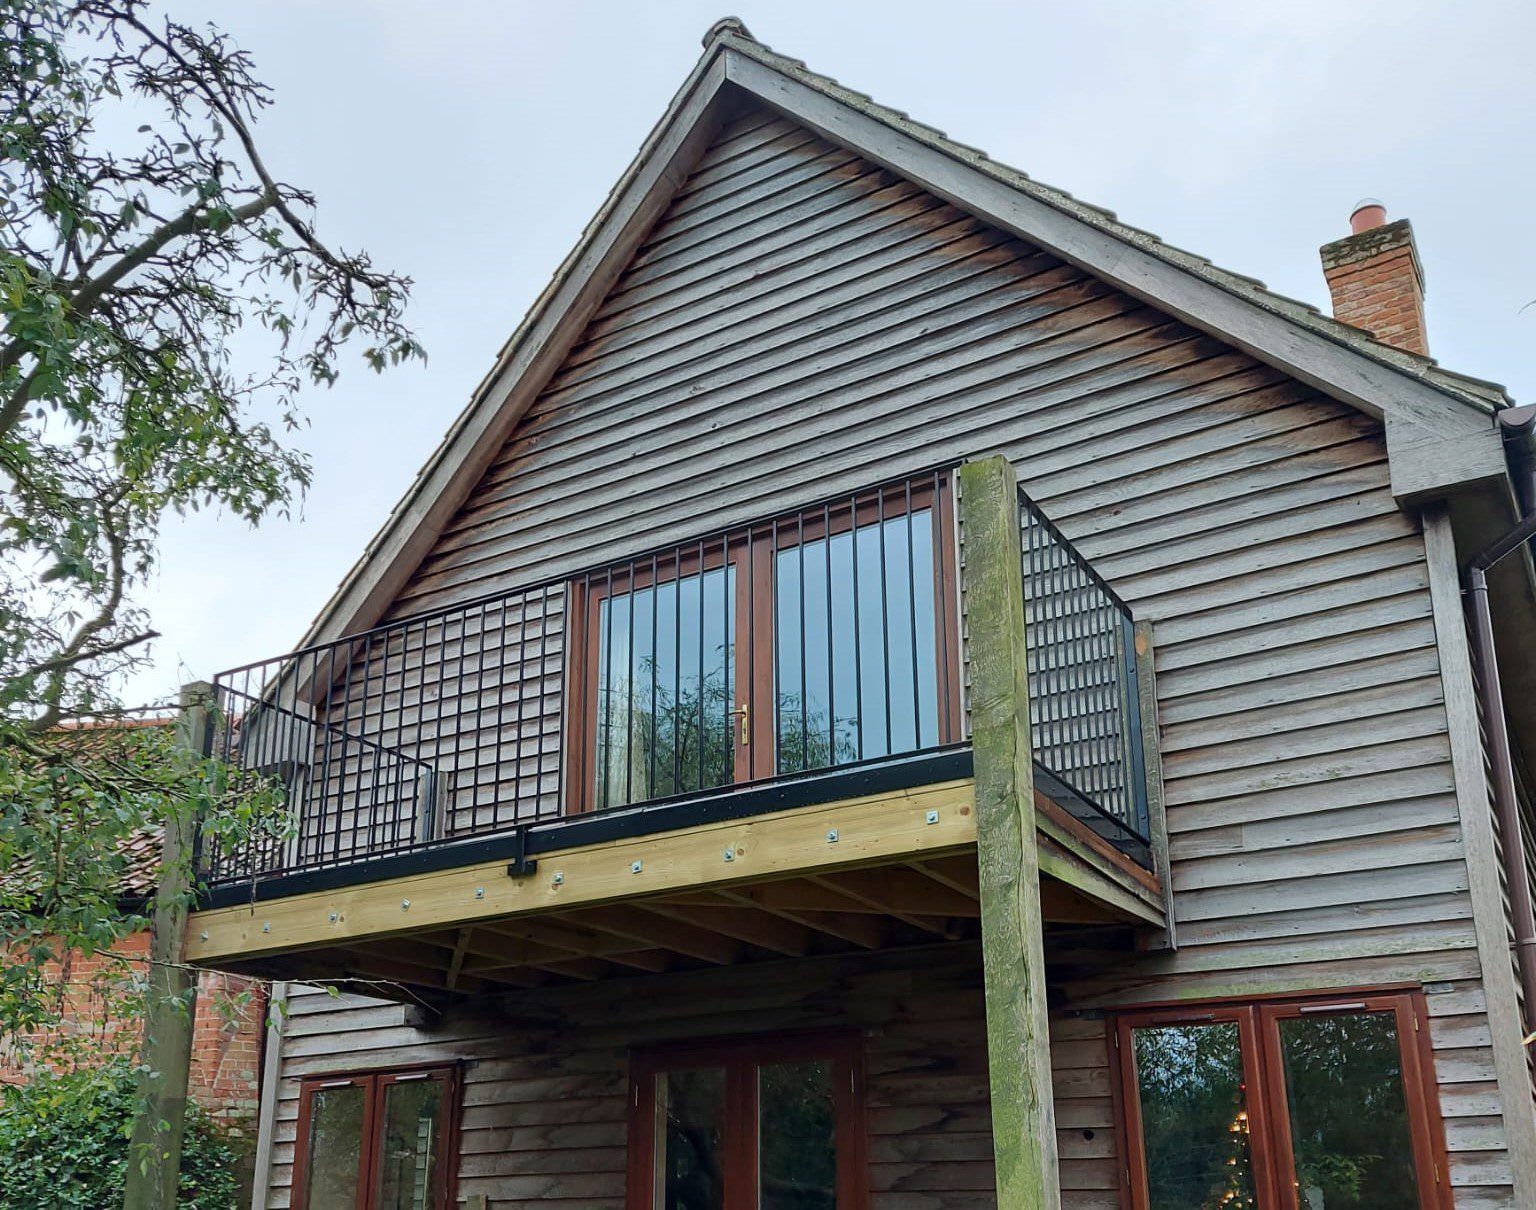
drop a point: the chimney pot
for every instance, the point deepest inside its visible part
(1368, 213)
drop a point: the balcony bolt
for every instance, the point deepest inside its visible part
(557, 879)
(933, 817)
(479, 892)
(635, 867)
(203, 935)
(832, 836)
(405, 905)
(266, 926)
(730, 855)
(334, 917)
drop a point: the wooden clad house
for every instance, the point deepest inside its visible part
(901, 691)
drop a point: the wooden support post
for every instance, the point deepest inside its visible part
(165, 1056)
(1013, 951)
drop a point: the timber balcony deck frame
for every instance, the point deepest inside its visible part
(875, 854)
(878, 871)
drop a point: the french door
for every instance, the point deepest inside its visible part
(1320, 1104)
(754, 1124)
(379, 1140)
(819, 638)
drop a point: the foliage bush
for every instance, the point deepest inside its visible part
(64, 1144)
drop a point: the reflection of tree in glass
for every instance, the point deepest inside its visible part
(798, 1158)
(807, 742)
(676, 737)
(1194, 1118)
(694, 1178)
(1349, 1121)
(335, 1145)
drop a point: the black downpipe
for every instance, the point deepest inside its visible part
(1505, 799)
(1518, 428)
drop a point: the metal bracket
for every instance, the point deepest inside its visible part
(521, 864)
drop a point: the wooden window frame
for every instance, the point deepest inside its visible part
(1270, 1146)
(376, 1082)
(741, 1058)
(750, 549)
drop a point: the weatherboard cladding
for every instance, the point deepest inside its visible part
(800, 322)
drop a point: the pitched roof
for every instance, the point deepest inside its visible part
(1428, 403)
(1477, 392)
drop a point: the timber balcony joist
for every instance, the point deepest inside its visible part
(540, 785)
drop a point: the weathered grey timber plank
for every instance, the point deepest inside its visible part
(1013, 957)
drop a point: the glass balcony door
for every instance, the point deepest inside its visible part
(817, 639)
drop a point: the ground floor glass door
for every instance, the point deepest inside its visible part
(758, 1124)
(1291, 1105)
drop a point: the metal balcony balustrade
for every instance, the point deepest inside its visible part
(1084, 698)
(823, 640)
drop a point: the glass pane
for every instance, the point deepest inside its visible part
(797, 1151)
(413, 1118)
(1349, 1115)
(855, 665)
(666, 680)
(1194, 1117)
(690, 1169)
(334, 1146)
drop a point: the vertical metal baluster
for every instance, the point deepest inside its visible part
(858, 626)
(518, 723)
(479, 741)
(917, 699)
(326, 763)
(629, 689)
(347, 747)
(750, 675)
(727, 661)
(655, 668)
(677, 672)
(778, 651)
(605, 699)
(457, 718)
(885, 615)
(826, 558)
(947, 667)
(549, 593)
(370, 842)
(511, 677)
(703, 731)
(804, 643)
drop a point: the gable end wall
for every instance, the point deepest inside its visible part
(800, 323)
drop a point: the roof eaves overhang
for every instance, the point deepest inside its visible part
(531, 355)
(1442, 437)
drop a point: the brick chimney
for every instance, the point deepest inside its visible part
(1375, 279)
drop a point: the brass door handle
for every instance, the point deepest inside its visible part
(745, 713)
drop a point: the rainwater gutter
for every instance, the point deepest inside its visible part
(1501, 763)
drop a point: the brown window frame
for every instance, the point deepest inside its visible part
(750, 549)
(376, 1081)
(740, 1058)
(1258, 1022)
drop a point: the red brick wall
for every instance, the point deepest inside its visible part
(226, 1033)
(1376, 284)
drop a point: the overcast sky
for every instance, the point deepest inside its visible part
(466, 144)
